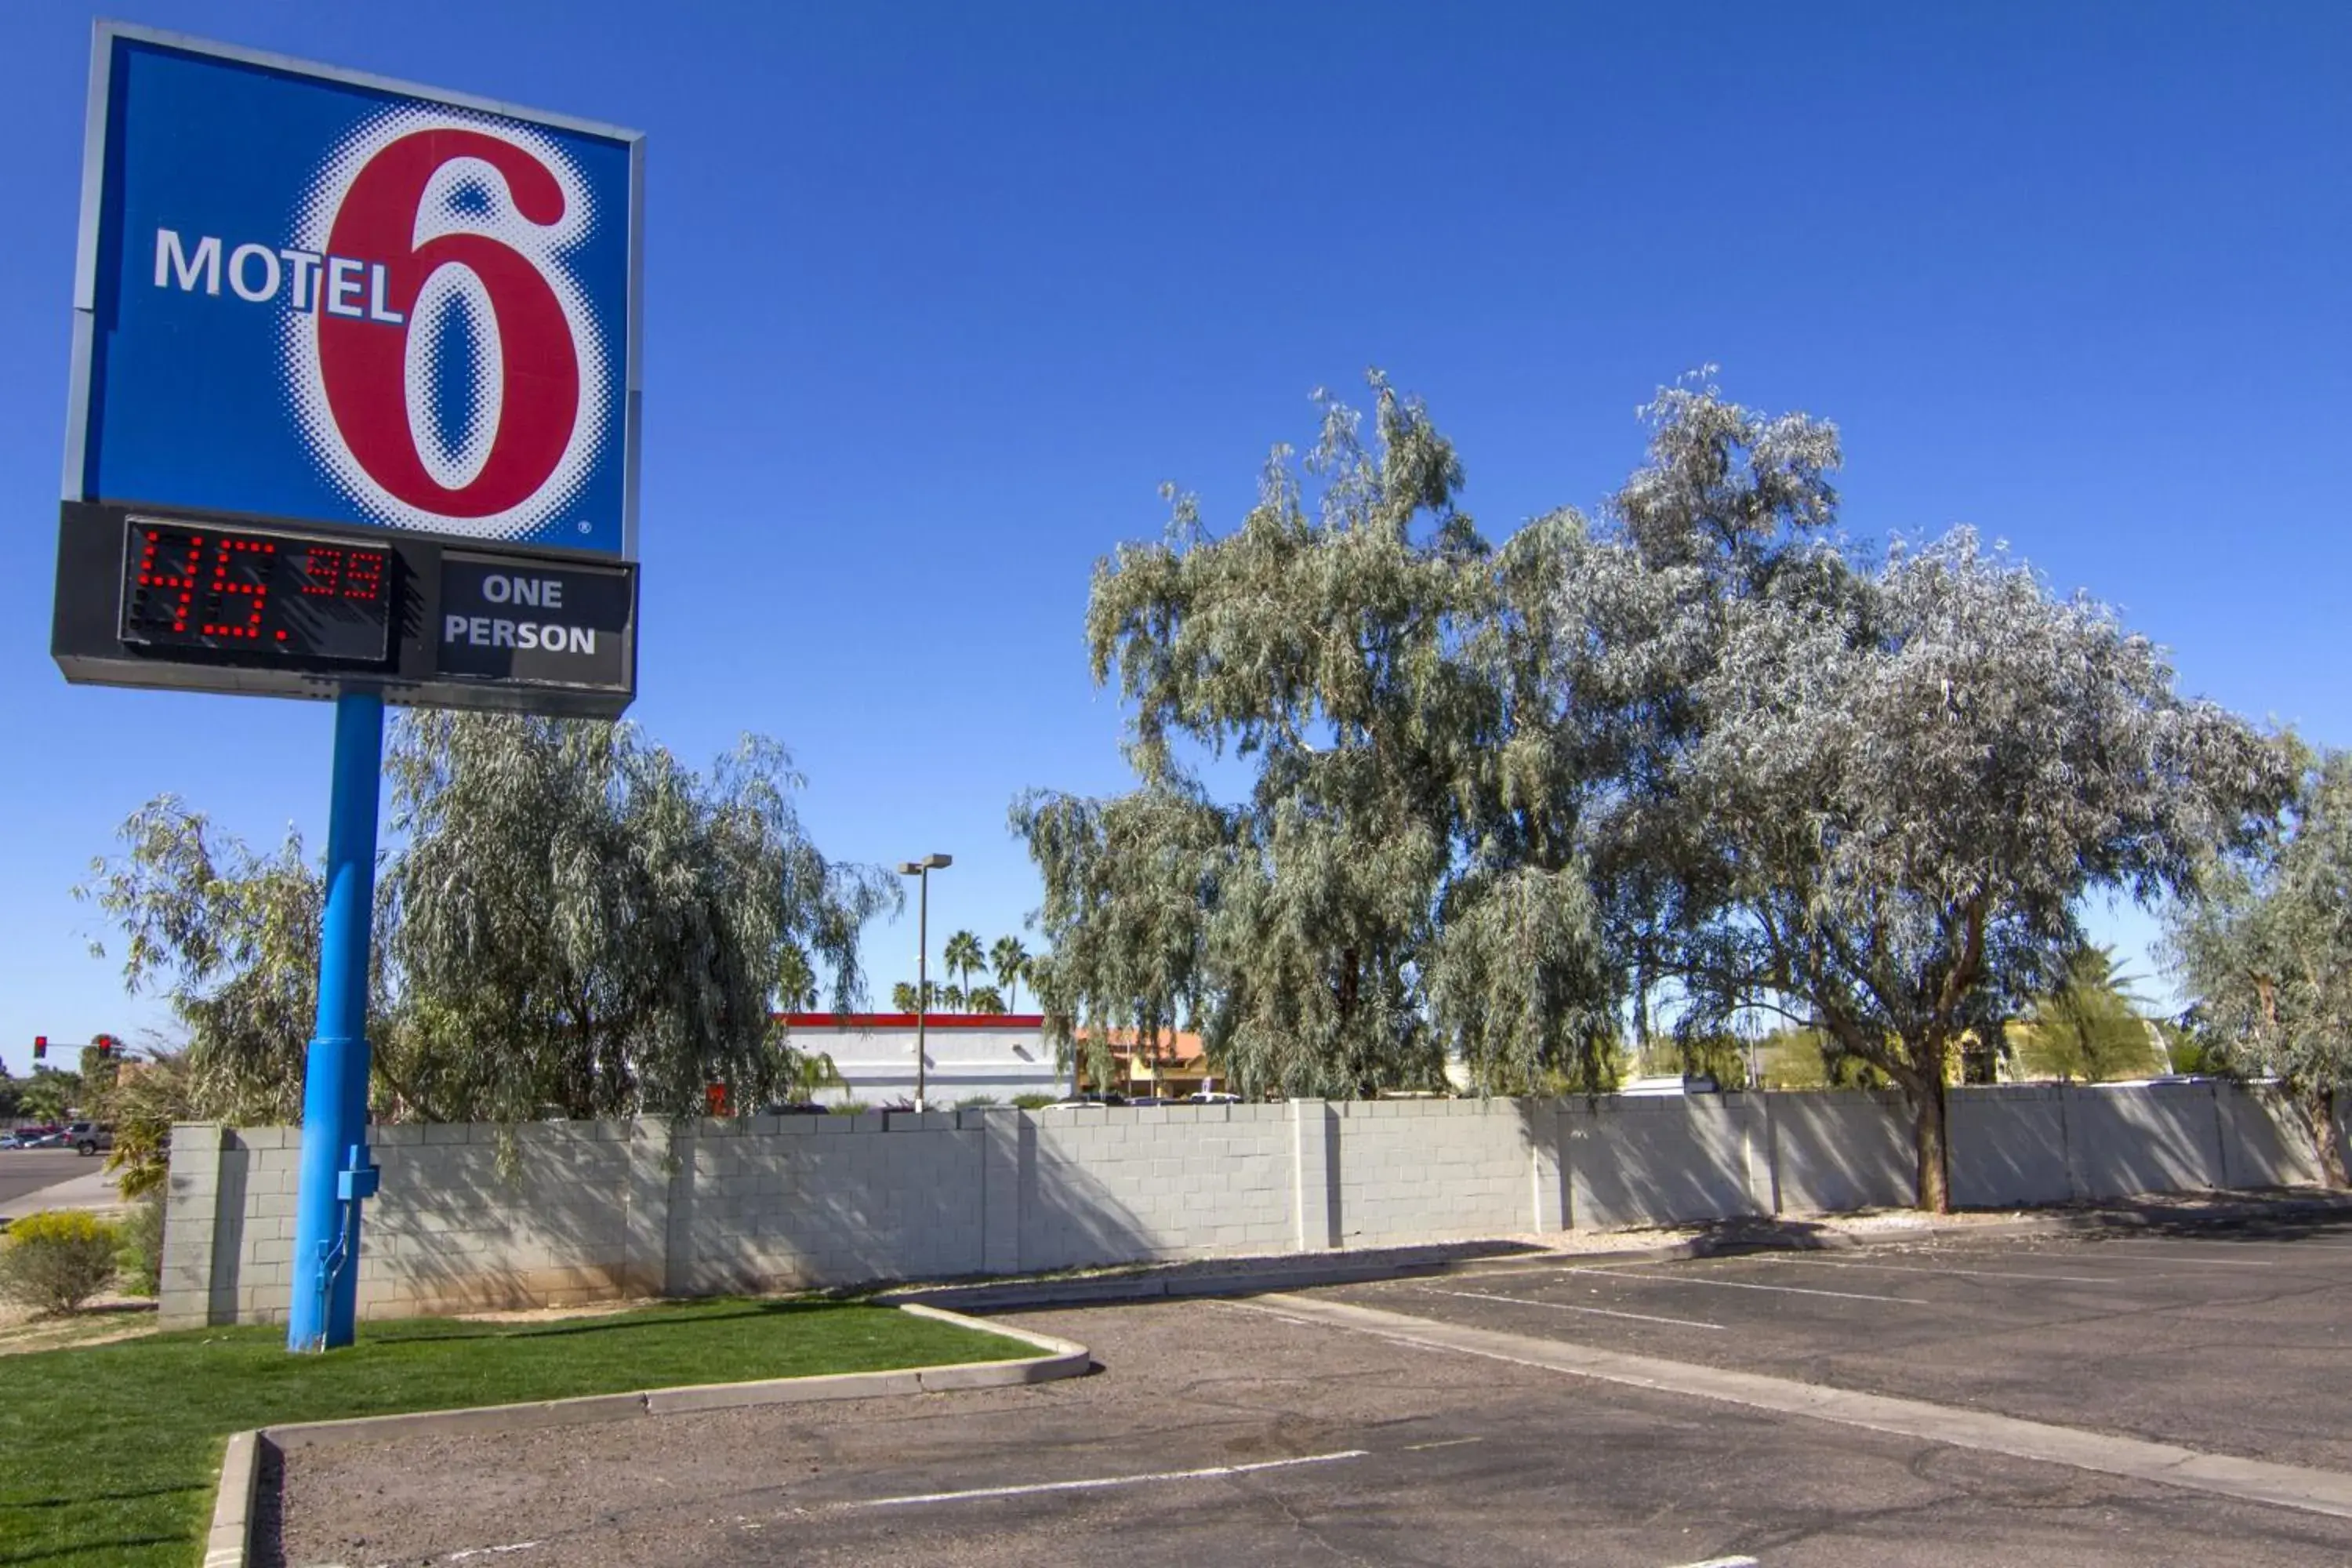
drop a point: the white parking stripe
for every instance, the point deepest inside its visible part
(1565, 1307)
(1811, 1262)
(1723, 1562)
(2197, 1262)
(1743, 1285)
(1100, 1482)
(2164, 1464)
(2231, 1245)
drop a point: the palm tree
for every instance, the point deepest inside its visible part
(2091, 1027)
(985, 999)
(1010, 961)
(964, 958)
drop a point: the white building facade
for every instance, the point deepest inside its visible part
(967, 1056)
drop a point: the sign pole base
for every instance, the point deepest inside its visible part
(336, 1174)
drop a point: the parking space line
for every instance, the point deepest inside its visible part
(2250, 1241)
(1098, 1483)
(1743, 1285)
(1811, 1262)
(2197, 1262)
(2164, 1464)
(1565, 1307)
(1723, 1562)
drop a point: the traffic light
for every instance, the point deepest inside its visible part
(40, 1046)
(104, 1045)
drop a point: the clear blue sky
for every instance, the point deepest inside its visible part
(938, 294)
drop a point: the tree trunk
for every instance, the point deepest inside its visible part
(1928, 1137)
(2319, 1109)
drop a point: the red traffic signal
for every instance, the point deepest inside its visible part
(104, 1045)
(40, 1046)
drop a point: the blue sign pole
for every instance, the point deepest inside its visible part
(336, 1174)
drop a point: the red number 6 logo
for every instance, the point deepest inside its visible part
(421, 217)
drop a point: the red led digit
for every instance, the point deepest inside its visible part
(324, 570)
(365, 575)
(252, 587)
(174, 590)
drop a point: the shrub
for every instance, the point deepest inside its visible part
(977, 1102)
(55, 1261)
(850, 1107)
(141, 1261)
(1033, 1101)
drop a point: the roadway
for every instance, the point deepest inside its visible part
(24, 1172)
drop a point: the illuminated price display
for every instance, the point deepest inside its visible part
(260, 598)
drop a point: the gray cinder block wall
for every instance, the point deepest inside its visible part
(599, 1211)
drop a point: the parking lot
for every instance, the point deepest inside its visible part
(1594, 1412)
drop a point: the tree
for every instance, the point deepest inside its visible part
(230, 938)
(1909, 779)
(985, 999)
(149, 1098)
(572, 921)
(1401, 879)
(578, 920)
(2089, 1027)
(1010, 960)
(2263, 941)
(964, 958)
(1130, 884)
(50, 1094)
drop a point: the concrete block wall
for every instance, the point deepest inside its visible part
(1664, 1159)
(586, 1211)
(2009, 1145)
(1435, 1170)
(1119, 1185)
(1838, 1151)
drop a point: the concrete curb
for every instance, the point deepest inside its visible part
(230, 1544)
(1342, 1271)
(227, 1544)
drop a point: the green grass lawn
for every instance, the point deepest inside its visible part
(111, 1453)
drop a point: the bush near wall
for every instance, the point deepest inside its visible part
(54, 1261)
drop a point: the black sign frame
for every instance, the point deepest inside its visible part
(87, 641)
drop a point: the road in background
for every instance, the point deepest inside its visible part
(26, 1171)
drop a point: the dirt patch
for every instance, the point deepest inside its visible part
(103, 1320)
(557, 1314)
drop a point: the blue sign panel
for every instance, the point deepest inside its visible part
(307, 295)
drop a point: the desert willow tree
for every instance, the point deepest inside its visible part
(569, 920)
(1403, 879)
(1905, 781)
(2264, 943)
(577, 921)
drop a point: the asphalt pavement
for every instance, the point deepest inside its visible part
(1252, 1431)
(24, 1172)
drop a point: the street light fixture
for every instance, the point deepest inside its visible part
(922, 871)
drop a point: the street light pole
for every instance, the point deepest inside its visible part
(922, 871)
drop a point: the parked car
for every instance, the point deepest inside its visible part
(29, 1136)
(1088, 1103)
(1212, 1096)
(56, 1140)
(88, 1137)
